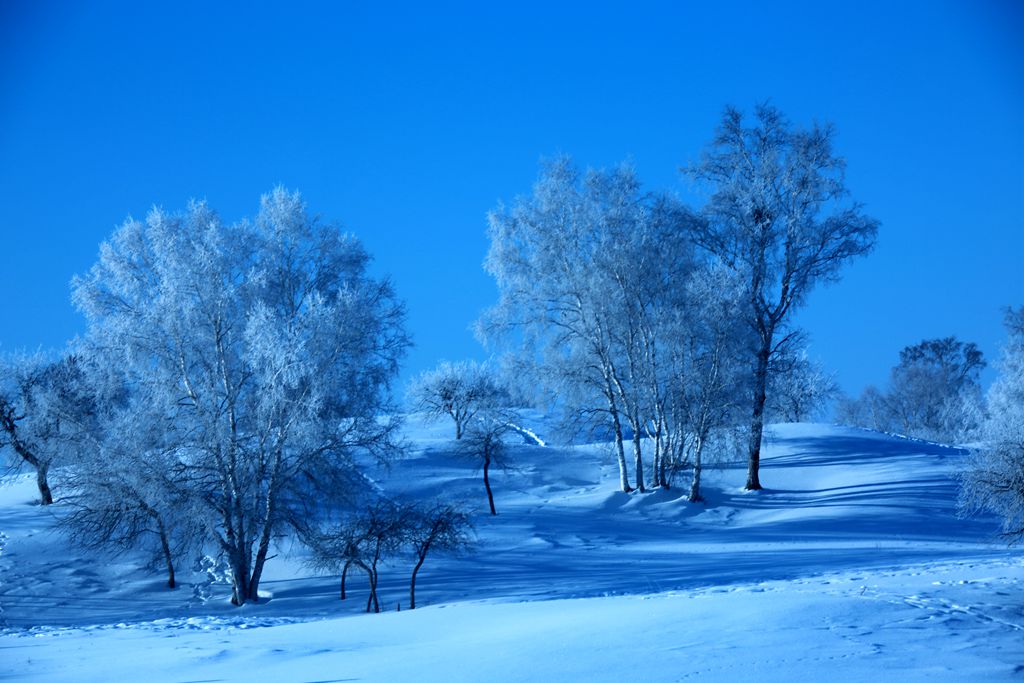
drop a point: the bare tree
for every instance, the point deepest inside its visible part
(778, 216)
(362, 541)
(458, 390)
(485, 444)
(118, 512)
(382, 529)
(441, 527)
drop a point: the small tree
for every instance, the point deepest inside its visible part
(383, 529)
(362, 541)
(994, 480)
(484, 442)
(39, 402)
(870, 410)
(458, 390)
(441, 527)
(800, 388)
(113, 514)
(132, 493)
(335, 548)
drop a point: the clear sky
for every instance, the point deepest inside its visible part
(408, 122)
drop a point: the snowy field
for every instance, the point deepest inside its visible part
(852, 565)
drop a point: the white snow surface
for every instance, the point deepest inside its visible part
(852, 565)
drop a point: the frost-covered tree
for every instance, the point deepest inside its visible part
(126, 487)
(458, 390)
(583, 267)
(994, 480)
(265, 352)
(39, 402)
(642, 277)
(712, 360)
(800, 388)
(779, 216)
(934, 393)
(870, 410)
(933, 388)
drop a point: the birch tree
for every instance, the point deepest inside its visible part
(713, 380)
(779, 215)
(573, 265)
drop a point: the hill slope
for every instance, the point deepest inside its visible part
(852, 561)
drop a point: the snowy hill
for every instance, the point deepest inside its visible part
(852, 564)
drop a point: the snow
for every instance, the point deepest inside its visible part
(851, 566)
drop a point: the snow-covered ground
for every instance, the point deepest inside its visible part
(851, 566)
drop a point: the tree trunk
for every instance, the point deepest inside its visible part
(269, 511)
(45, 495)
(620, 451)
(165, 546)
(372, 601)
(344, 573)
(638, 458)
(261, 560)
(240, 584)
(239, 589)
(663, 465)
(487, 485)
(656, 461)
(458, 430)
(412, 583)
(698, 466)
(657, 468)
(757, 418)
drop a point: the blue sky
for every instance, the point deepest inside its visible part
(408, 122)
